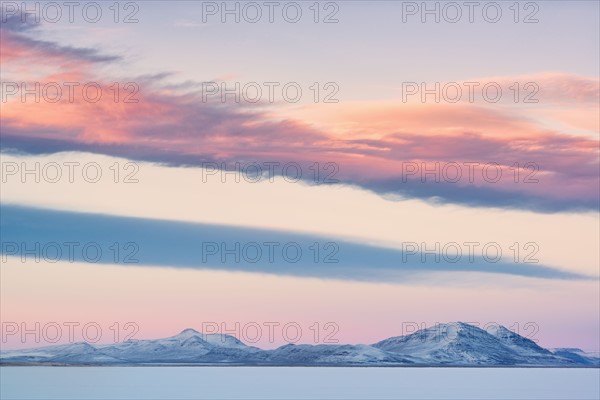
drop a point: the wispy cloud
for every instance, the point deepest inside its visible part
(173, 124)
(207, 246)
(20, 42)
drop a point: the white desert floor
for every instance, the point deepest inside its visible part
(297, 383)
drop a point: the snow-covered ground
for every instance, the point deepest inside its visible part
(297, 383)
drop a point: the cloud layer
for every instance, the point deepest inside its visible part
(204, 246)
(378, 148)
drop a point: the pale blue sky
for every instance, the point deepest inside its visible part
(370, 52)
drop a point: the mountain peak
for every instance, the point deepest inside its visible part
(188, 333)
(499, 331)
(458, 326)
(451, 331)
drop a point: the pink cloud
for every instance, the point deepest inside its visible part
(370, 142)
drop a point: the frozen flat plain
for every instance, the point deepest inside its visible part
(297, 383)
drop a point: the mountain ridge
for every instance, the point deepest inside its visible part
(450, 344)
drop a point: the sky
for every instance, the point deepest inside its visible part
(349, 171)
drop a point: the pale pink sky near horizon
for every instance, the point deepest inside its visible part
(363, 312)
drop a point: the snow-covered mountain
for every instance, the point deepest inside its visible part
(329, 354)
(457, 344)
(189, 346)
(75, 353)
(579, 356)
(463, 344)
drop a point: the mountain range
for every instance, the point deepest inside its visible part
(452, 344)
